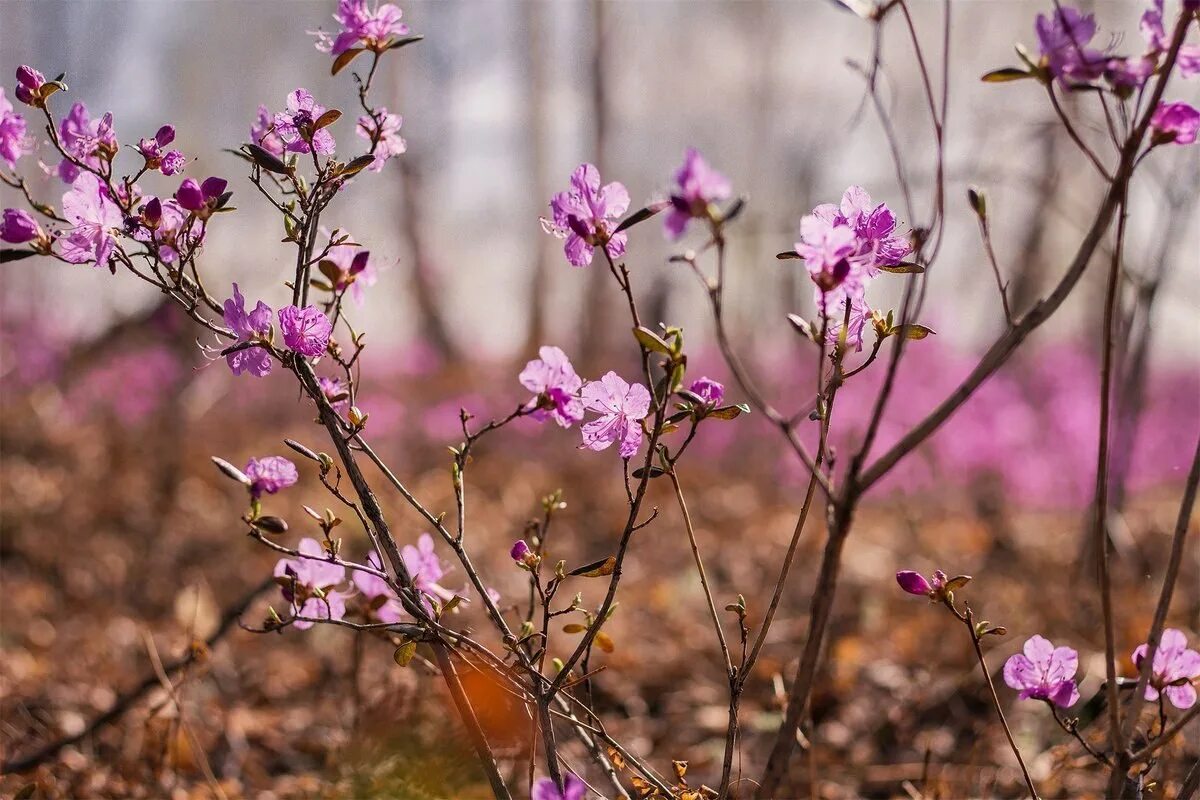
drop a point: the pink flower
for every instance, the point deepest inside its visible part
(1044, 672)
(1174, 669)
(170, 162)
(96, 220)
(426, 569)
(374, 587)
(13, 141)
(860, 312)
(696, 186)
(309, 582)
(295, 126)
(388, 129)
(163, 224)
(29, 81)
(555, 385)
(914, 583)
(334, 391)
(18, 227)
(262, 133)
(1175, 122)
(708, 390)
(269, 474)
(826, 249)
(305, 330)
(363, 27)
(1128, 73)
(354, 269)
(573, 789)
(248, 327)
(519, 550)
(84, 140)
(584, 216)
(201, 199)
(621, 407)
(1063, 38)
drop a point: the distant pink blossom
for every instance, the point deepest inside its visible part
(1044, 672)
(573, 789)
(373, 587)
(335, 391)
(1175, 668)
(248, 327)
(697, 185)
(95, 219)
(1175, 122)
(586, 214)
(309, 584)
(426, 569)
(555, 386)
(362, 27)
(295, 125)
(390, 142)
(1157, 41)
(1063, 37)
(13, 141)
(269, 474)
(83, 139)
(305, 330)
(262, 132)
(860, 312)
(621, 408)
(355, 270)
(18, 227)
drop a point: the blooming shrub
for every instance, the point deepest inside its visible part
(402, 592)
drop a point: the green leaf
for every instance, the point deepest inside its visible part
(574, 627)
(405, 652)
(596, 569)
(266, 160)
(357, 165)
(345, 58)
(729, 412)
(651, 341)
(15, 255)
(655, 472)
(734, 210)
(904, 268)
(641, 215)
(913, 331)
(1005, 75)
(405, 42)
(978, 201)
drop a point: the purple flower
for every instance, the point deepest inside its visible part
(96, 220)
(164, 224)
(13, 141)
(354, 269)
(573, 789)
(170, 162)
(248, 327)
(362, 26)
(826, 249)
(1044, 672)
(388, 130)
(914, 583)
(269, 474)
(305, 330)
(84, 140)
(295, 126)
(1128, 73)
(202, 198)
(555, 385)
(621, 407)
(696, 186)
(708, 390)
(1175, 122)
(426, 569)
(860, 312)
(1063, 38)
(520, 550)
(262, 133)
(309, 583)
(1174, 669)
(29, 81)
(18, 227)
(373, 587)
(585, 213)
(334, 391)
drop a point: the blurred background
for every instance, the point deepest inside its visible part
(112, 525)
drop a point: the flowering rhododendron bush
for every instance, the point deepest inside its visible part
(688, 567)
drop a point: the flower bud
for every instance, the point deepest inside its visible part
(519, 550)
(913, 583)
(18, 227)
(29, 82)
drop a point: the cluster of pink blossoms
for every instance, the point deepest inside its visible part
(1065, 36)
(844, 247)
(306, 331)
(372, 29)
(560, 394)
(13, 141)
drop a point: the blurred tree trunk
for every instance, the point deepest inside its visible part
(597, 307)
(535, 124)
(430, 318)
